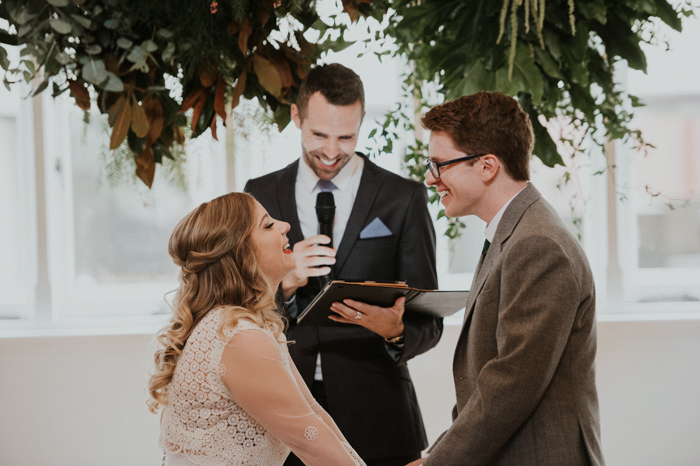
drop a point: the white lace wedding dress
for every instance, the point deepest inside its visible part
(239, 401)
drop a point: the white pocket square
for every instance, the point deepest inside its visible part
(375, 229)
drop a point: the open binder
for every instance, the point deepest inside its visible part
(435, 303)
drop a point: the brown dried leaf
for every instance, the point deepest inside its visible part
(213, 128)
(238, 90)
(146, 167)
(285, 73)
(267, 74)
(246, 30)
(154, 113)
(115, 108)
(178, 135)
(191, 99)
(208, 74)
(121, 125)
(80, 92)
(350, 7)
(219, 101)
(233, 28)
(139, 121)
(198, 110)
(263, 16)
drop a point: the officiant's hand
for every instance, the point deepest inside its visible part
(313, 260)
(386, 322)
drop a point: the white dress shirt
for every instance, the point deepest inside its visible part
(493, 224)
(347, 183)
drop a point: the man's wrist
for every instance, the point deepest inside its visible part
(398, 340)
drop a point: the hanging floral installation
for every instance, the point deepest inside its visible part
(145, 64)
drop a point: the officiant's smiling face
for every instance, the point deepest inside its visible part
(328, 134)
(272, 246)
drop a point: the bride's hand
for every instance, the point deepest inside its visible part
(386, 322)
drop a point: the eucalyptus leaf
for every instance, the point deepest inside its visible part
(82, 20)
(4, 61)
(168, 52)
(149, 46)
(94, 72)
(113, 84)
(24, 16)
(165, 33)
(93, 49)
(60, 26)
(124, 43)
(23, 30)
(60, 3)
(137, 55)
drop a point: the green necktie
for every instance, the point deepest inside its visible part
(487, 243)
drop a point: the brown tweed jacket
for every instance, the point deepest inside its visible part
(524, 362)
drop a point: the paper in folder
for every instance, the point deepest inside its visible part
(435, 303)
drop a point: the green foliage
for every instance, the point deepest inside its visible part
(149, 62)
(558, 62)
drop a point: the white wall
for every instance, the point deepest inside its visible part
(77, 401)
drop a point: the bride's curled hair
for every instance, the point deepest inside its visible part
(213, 246)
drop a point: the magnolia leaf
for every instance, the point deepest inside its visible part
(121, 126)
(60, 26)
(154, 113)
(207, 74)
(238, 89)
(219, 102)
(246, 30)
(80, 93)
(124, 43)
(267, 74)
(146, 167)
(58, 2)
(213, 128)
(115, 109)
(113, 84)
(549, 66)
(198, 108)
(94, 72)
(139, 121)
(189, 101)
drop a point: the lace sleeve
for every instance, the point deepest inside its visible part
(260, 382)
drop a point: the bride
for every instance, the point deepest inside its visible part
(230, 393)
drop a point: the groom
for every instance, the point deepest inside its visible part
(524, 362)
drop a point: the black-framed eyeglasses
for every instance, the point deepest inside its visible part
(434, 167)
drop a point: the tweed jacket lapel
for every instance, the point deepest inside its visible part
(286, 181)
(366, 194)
(506, 226)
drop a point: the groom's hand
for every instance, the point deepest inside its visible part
(386, 322)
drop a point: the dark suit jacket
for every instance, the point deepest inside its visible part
(524, 362)
(370, 394)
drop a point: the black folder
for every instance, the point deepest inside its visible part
(435, 303)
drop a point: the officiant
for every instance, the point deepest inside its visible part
(381, 231)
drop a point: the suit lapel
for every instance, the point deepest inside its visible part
(366, 194)
(286, 182)
(509, 221)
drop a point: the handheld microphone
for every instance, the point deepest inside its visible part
(325, 212)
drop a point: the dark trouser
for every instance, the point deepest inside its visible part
(319, 392)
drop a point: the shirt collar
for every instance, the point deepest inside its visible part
(493, 224)
(341, 180)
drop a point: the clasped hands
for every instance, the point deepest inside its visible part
(315, 260)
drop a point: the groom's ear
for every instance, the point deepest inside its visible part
(296, 116)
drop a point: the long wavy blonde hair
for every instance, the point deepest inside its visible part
(213, 246)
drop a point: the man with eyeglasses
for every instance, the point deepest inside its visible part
(524, 363)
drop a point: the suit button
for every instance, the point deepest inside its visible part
(461, 378)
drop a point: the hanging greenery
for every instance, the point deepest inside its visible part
(147, 63)
(557, 57)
